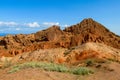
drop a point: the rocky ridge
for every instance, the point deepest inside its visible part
(86, 31)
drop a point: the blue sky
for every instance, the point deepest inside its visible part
(28, 16)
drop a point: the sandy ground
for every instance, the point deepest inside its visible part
(107, 72)
(36, 74)
(104, 74)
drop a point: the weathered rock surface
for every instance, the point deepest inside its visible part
(92, 50)
(91, 31)
(86, 31)
(71, 56)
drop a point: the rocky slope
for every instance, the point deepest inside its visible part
(86, 44)
(86, 31)
(72, 55)
(91, 31)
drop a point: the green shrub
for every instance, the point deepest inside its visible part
(50, 67)
(89, 62)
(82, 71)
(45, 66)
(14, 69)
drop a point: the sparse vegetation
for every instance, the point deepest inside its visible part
(113, 60)
(93, 61)
(82, 71)
(51, 67)
(89, 62)
(14, 69)
(41, 65)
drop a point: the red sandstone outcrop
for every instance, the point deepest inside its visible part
(92, 50)
(91, 31)
(73, 55)
(51, 34)
(86, 31)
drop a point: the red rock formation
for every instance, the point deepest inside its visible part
(91, 31)
(50, 34)
(86, 31)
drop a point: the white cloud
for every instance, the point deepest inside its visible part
(50, 23)
(32, 25)
(66, 25)
(17, 29)
(2, 23)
